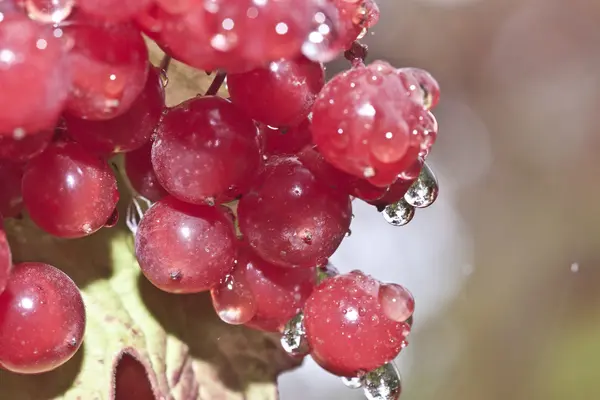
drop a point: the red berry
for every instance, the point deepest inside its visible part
(206, 150)
(126, 132)
(345, 312)
(115, 10)
(138, 167)
(11, 199)
(280, 94)
(398, 189)
(42, 319)
(185, 248)
(366, 123)
(25, 148)
(68, 192)
(5, 258)
(278, 293)
(284, 141)
(109, 65)
(290, 218)
(35, 77)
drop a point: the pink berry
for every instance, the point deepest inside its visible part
(347, 329)
(126, 132)
(365, 123)
(42, 319)
(138, 167)
(280, 94)
(25, 148)
(5, 258)
(279, 293)
(68, 192)
(185, 248)
(206, 150)
(109, 65)
(114, 10)
(292, 219)
(282, 141)
(35, 76)
(11, 198)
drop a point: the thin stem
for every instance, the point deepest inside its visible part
(165, 62)
(216, 83)
(356, 54)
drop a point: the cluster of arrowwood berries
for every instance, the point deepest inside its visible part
(248, 196)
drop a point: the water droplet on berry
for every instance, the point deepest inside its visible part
(399, 213)
(396, 302)
(424, 191)
(49, 11)
(352, 383)
(293, 340)
(323, 42)
(112, 221)
(234, 301)
(349, 233)
(383, 383)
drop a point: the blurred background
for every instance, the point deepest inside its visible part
(505, 267)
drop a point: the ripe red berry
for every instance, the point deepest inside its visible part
(42, 319)
(290, 218)
(285, 141)
(24, 148)
(366, 123)
(68, 192)
(206, 150)
(185, 248)
(114, 10)
(35, 77)
(11, 199)
(345, 312)
(109, 63)
(280, 94)
(138, 167)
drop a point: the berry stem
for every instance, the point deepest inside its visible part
(356, 54)
(165, 62)
(216, 83)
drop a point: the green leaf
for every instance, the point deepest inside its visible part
(187, 352)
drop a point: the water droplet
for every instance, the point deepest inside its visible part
(424, 191)
(49, 11)
(234, 301)
(352, 383)
(383, 383)
(135, 211)
(399, 213)
(323, 42)
(293, 339)
(175, 275)
(349, 233)
(397, 303)
(113, 219)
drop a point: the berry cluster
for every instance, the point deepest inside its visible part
(247, 197)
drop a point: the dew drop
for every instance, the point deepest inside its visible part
(396, 302)
(293, 339)
(424, 191)
(353, 382)
(234, 301)
(399, 213)
(323, 42)
(49, 11)
(382, 383)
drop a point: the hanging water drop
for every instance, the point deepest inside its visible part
(383, 383)
(323, 42)
(49, 11)
(424, 191)
(234, 301)
(293, 339)
(352, 383)
(399, 213)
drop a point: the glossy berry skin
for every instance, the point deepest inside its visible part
(366, 123)
(285, 141)
(126, 132)
(138, 167)
(11, 198)
(35, 76)
(279, 294)
(109, 65)
(280, 94)
(185, 248)
(237, 35)
(113, 10)
(25, 148)
(347, 328)
(5, 258)
(290, 218)
(206, 151)
(68, 192)
(42, 319)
